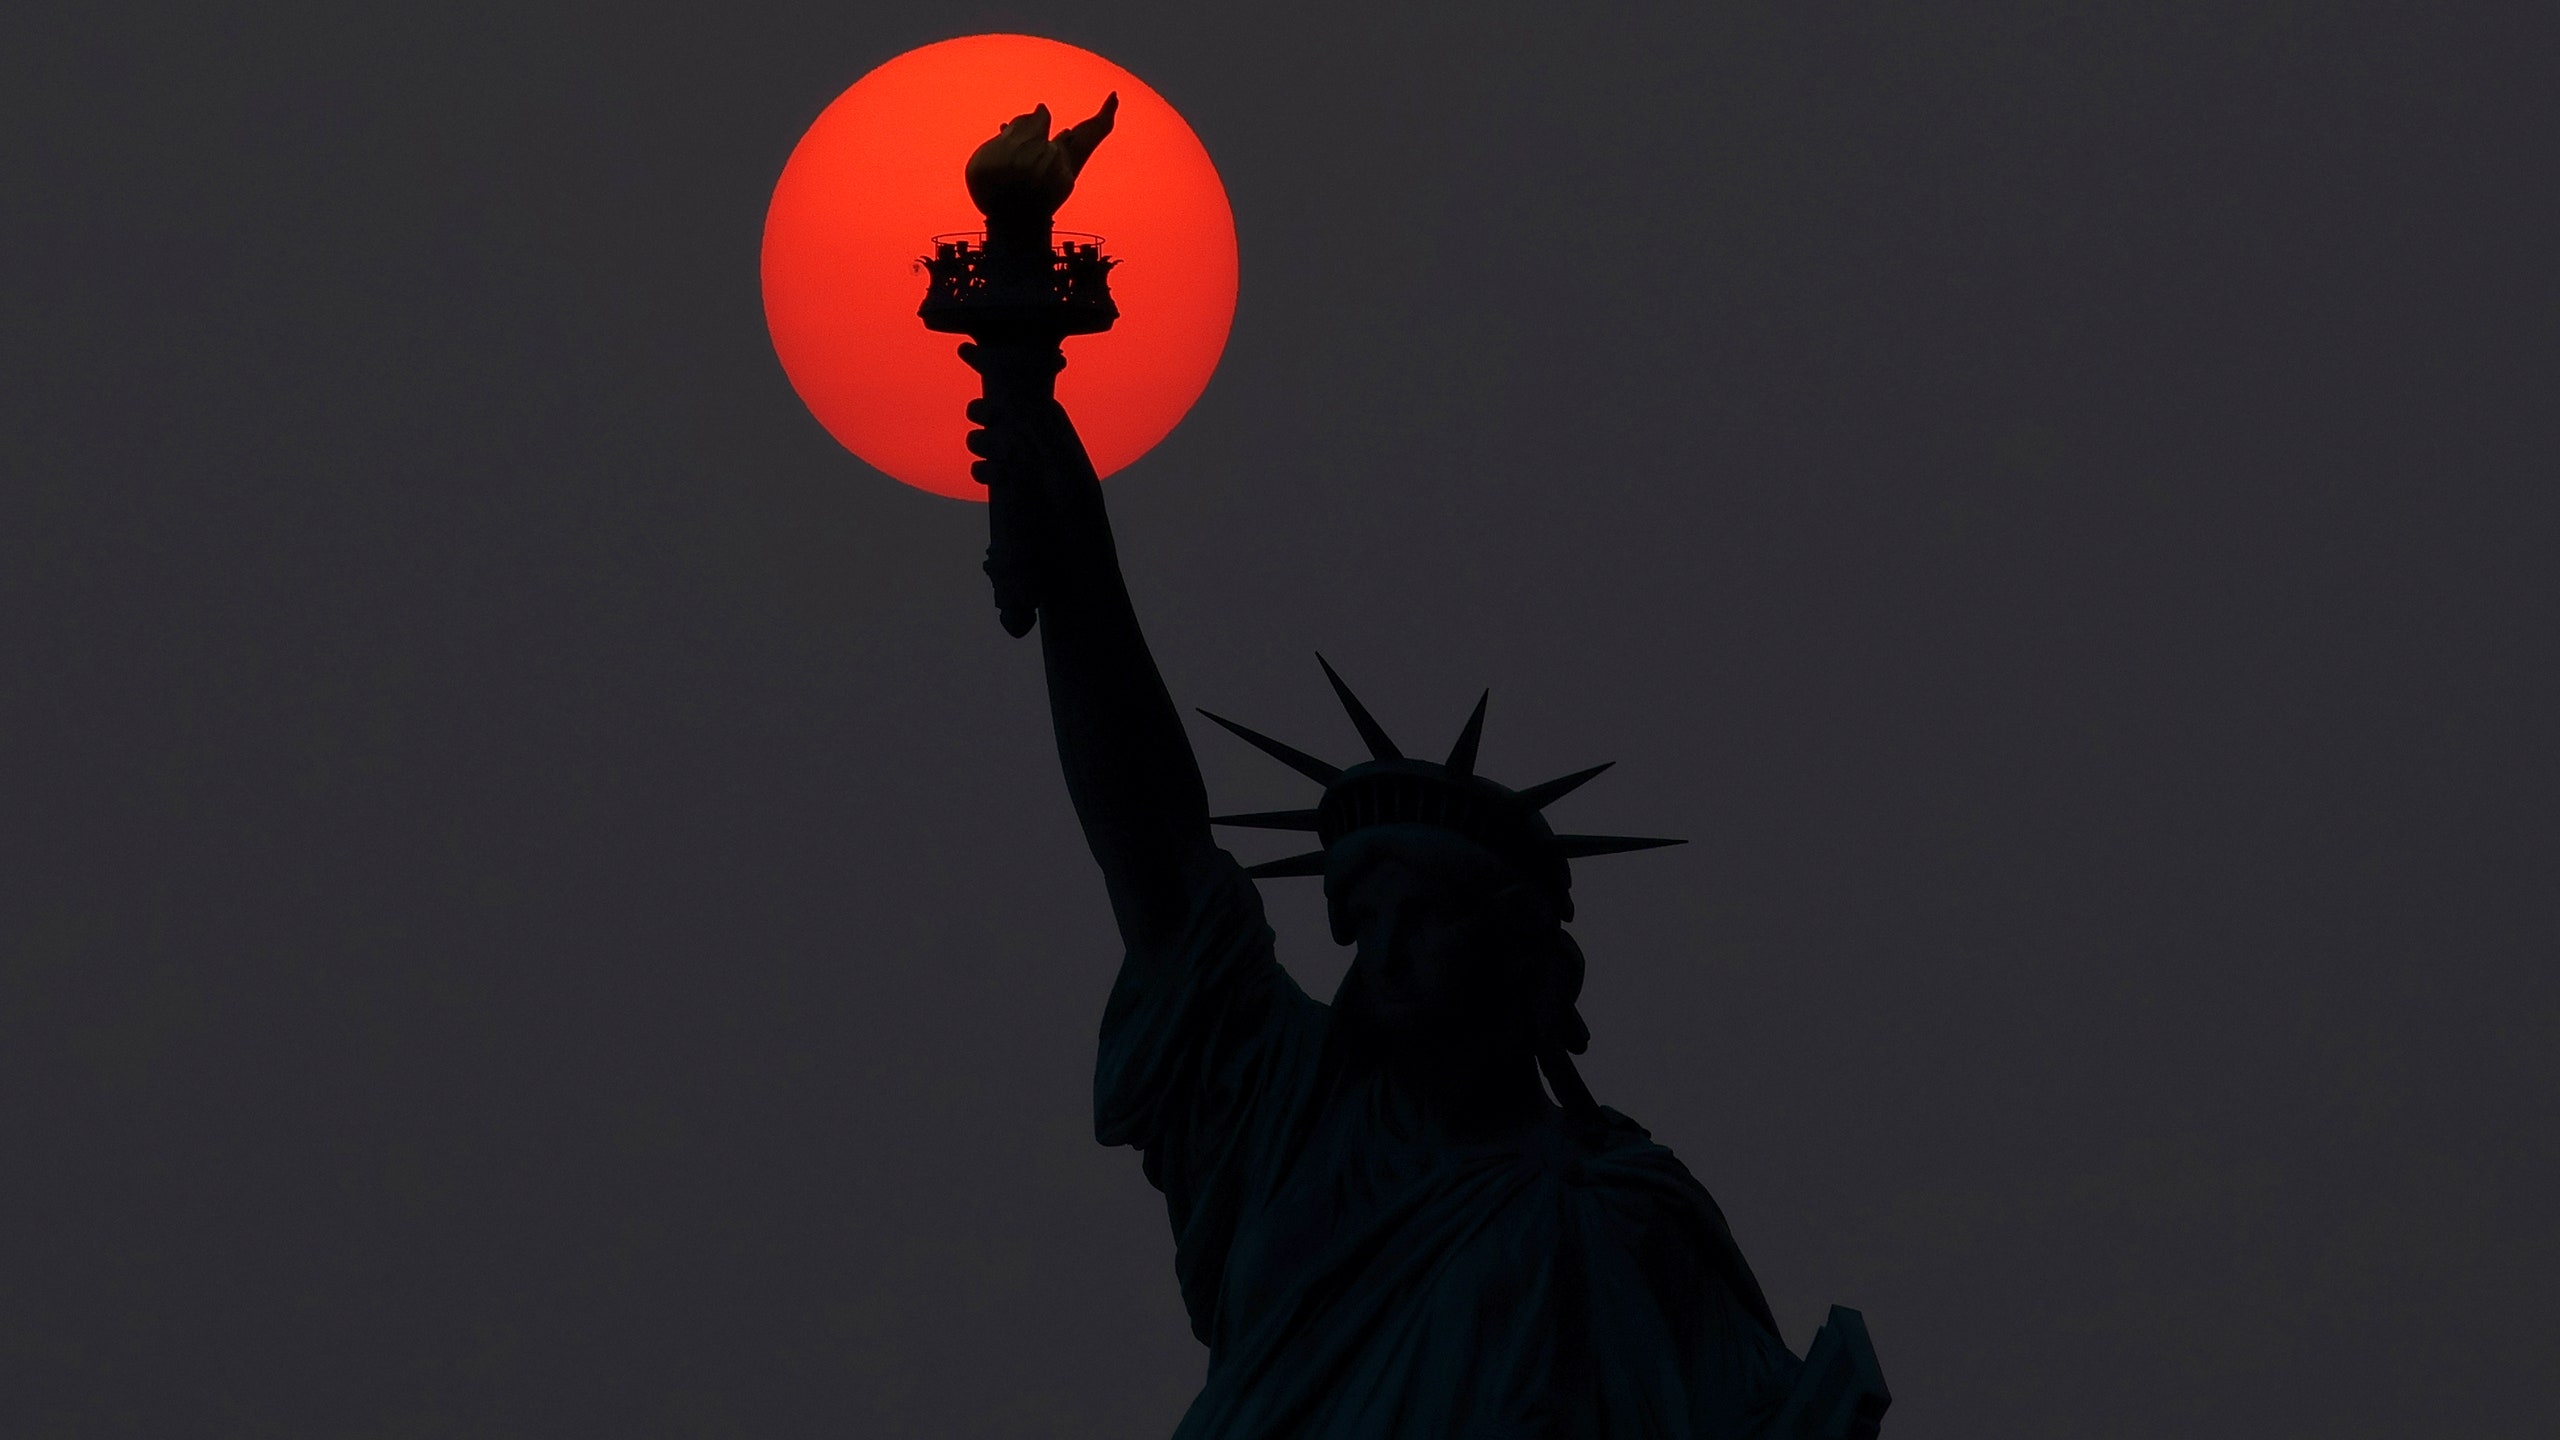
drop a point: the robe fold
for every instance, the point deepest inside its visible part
(1355, 1279)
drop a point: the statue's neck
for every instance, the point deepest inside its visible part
(1465, 1095)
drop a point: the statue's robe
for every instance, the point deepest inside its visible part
(1355, 1280)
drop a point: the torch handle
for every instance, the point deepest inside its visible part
(1015, 374)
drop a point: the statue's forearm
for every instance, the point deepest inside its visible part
(1128, 763)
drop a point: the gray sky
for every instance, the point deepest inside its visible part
(535, 894)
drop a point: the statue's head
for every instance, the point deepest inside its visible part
(1452, 945)
(1453, 889)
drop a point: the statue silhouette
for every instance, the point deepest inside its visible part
(1385, 1226)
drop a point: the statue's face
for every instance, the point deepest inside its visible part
(1438, 953)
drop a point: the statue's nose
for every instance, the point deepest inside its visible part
(1390, 935)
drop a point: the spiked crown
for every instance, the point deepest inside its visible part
(1391, 788)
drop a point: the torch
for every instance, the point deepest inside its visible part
(1017, 290)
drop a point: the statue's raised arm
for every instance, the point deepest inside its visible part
(1128, 764)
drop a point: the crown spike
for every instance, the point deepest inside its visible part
(1296, 759)
(1462, 756)
(1542, 796)
(1270, 820)
(1576, 847)
(1311, 863)
(1373, 734)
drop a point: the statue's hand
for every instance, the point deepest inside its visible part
(1060, 538)
(1024, 174)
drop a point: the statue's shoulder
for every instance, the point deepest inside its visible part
(1663, 1214)
(1625, 1160)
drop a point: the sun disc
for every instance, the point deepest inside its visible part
(879, 174)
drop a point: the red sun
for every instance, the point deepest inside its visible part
(879, 175)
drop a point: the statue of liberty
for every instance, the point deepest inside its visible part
(1400, 1213)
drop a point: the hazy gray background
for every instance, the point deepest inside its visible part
(535, 896)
